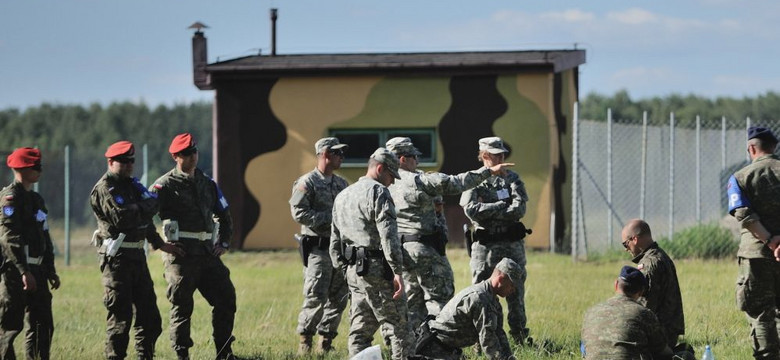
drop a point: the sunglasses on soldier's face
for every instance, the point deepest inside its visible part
(125, 160)
(339, 152)
(189, 151)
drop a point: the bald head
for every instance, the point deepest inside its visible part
(636, 236)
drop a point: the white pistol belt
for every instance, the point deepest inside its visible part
(132, 245)
(202, 236)
(35, 260)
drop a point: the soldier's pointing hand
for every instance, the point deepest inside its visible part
(500, 169)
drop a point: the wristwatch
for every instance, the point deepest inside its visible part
(225, 244)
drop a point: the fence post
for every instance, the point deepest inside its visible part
(747, 127)
(609, 177)
(698, 169)
(642, 183)
(66, 200)
(671, 175)
(723, 143)
(575, 164)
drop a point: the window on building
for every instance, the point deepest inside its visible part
(363, 142)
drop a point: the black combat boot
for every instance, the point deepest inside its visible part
(183, 354)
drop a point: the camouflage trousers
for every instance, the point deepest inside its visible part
(428, 281)
(758, 295)
(207, 274)
(39, 319)
(325, 296)
(12, 302)
(373, 308)
(128, 287)
(484, 259)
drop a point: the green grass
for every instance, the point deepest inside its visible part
(268, 286)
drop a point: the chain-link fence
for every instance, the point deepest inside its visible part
(670, 172)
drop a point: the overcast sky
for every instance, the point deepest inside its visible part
(84, 51)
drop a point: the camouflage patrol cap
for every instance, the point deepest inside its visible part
(511, 269)
(402, 146)
(760, 132)
(388, 159)
(328, 143)
(493, 145)
(633, 276)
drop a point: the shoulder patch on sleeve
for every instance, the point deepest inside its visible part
(736, 198)
(8, 210)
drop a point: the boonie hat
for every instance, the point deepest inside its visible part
(23, 158)
(181, 142)
(328, 143)
(123, 149)
(761, 132)
(510, 269)
(387, 158)
(633, 276)
(402, 146)
(493, 145)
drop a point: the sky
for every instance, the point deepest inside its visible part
(86, 51)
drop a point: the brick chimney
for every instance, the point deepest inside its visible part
(200, 59)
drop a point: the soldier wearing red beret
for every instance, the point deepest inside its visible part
(124, 209)
(29, 260)
(189, 203)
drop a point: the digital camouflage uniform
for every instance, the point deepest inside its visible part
(495, 207)
(26, 246)
(754, 195)
(194, 202)
(428, 276)
(622, 329)
(473, 316)
(364, 216)
(126, 279)
(324, 287)
(663, 292)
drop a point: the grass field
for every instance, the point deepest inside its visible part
(269, 284)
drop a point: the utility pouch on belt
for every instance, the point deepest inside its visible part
(349, 255)
(170, 230)
(439, 243)
(113, 245)
(302, 249)
(361, 262)
(214, 233)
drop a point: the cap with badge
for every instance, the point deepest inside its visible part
(388, 159)
(493, 145)
(183, 144)
(633, 276)
(402, 146)
(760, 132)
(510, 269)
(121, 151)
(328, 143)
(24, 158)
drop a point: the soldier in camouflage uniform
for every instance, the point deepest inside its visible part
(190, 203)
(754, 200)
(324, 288)
(621, 328)
(495, 208)
(474, 316)
(364, 243)
(663, 292)
(124, 210)
(29, 258)
(427, 272)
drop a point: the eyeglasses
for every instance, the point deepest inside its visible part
(125, 160)
(189, 151)
(625, 242)
(37, 167)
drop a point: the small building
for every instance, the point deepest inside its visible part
(270, 109)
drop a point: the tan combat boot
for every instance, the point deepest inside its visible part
(305, 346)
(326, 344)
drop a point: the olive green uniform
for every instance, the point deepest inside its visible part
(128, 284)
(194, 202)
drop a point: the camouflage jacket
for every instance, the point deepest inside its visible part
(473, 316)
(24, 229)
(194, 202)
(754, 195)
(413, 195)
(311, 202)
(663, 294)
(496, 203)
(111, 201)
(622, 329)
(364, 215)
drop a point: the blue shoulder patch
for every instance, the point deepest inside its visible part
(119, 199)
(222, 203)
(736, 198)
(8, 210)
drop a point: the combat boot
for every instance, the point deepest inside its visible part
(326, 344)
(183, 354)
(305, 346)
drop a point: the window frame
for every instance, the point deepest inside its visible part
(428, 157)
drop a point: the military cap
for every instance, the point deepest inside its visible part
(23, 158)
(388, 159)
(633, 276)
(511, 269)
(121, 149)
(402, 146)
(182, 142)
(328, 143)
(761, 132)
(493, 145)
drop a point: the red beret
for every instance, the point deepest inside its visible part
(181, 142)
(120, 148)
(23, 158)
